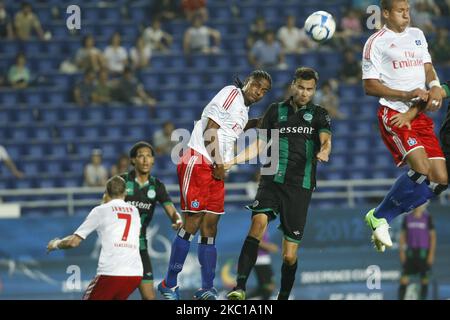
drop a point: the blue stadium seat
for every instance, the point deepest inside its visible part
(32, 169)
(20, 134)
(117, 114)
(68, 133)
(9, 98)
(50, 115)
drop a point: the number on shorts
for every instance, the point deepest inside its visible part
(127, 226)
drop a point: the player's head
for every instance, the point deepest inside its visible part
(142, 157)
(303, 87)
(257, 84)
(396, 14)
(115, 188)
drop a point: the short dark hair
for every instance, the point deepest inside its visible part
(141, 144)
(115, 187)
(387, 4)
(306, 73)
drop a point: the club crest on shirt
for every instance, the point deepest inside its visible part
(411, 142)
(308, 117)
(418, 42)
(195, 204)
(151, 193)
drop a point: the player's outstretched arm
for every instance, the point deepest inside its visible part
(373, 87)
(252, 123)
(174, 216)
(68, 242)
(249, 153)
(211, 140)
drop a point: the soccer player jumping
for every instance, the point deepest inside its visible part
(397, 68)
(201, 176)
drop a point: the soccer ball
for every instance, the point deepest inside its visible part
(320, 26)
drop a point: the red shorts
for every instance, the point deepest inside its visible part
(401, 141)
(111, 287)
(199, 190)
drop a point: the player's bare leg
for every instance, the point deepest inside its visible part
(207, 256)
(438, 171)
(249, 254)
(147, 291)
(404, 281)
(288, 269)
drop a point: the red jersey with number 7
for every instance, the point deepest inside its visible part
(118, 225)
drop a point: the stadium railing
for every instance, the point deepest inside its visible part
(70, 198)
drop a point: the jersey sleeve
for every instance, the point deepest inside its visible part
(372, 58)
(324, 122)
(161, 194)
(89, 225)
(267, 123)
(218, 109)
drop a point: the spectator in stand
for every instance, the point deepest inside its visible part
(26, 21)
(116, 55)
(440, 48)
(257, 31)
(128, 89)
(351, 68)
(89, 57)
(102, 89)
(122, 165)
(95, 173)
(351, 25)
(140, 54)
(327, 98)
(6, 25)
(267, 53)
(162, 139)
(19, 75)
(193, 8)
(197, 38)
(4, 157)
(84, 89)
(422, 13)
(156, 38)
(293, 39)
(165, 10)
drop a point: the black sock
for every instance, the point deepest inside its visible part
(287, 280)
(401, 292)
(423, 292)
(247, 260)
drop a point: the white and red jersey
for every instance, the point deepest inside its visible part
(118, 225)
(229, 111)
(397, 60)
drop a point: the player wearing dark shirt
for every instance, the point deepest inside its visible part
(417, 248)
(143, 191)
(301, 130)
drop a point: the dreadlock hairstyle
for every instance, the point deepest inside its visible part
(257, 75)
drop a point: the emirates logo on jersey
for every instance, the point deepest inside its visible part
(237, 128)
